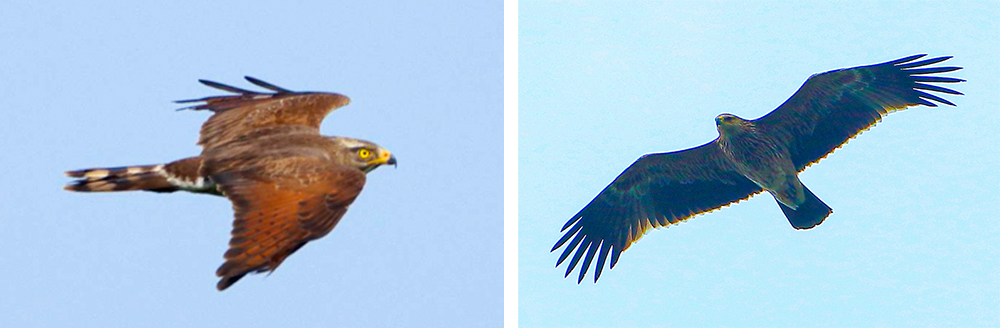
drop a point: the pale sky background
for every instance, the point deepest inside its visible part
(85, 84)
(913, 239)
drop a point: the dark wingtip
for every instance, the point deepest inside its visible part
(601, 258)
(266, 85)
(187, 101)
(922, 94)
(906, 59)
(566, 236)
(225, 87)
(209, 82)
(225, 282)
(925, 62)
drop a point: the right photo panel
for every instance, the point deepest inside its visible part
(701, 164)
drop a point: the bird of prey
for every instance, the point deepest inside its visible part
(288, 184)
(748, 157)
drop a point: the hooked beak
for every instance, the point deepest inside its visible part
(385, 158)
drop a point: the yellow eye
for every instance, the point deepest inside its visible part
(364, 153)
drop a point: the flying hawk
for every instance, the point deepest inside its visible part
(288, 184)
(748, 157)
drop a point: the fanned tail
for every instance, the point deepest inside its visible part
(125, 178)
(809, 214)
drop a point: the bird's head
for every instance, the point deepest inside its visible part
(730, 123)
(363, 154)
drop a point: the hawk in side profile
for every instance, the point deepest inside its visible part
(748, 157)
(288, 184)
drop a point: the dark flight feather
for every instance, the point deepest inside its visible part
(832, 107)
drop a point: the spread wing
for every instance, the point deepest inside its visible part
(250, 112)
(281, 205)
(832, 107)
(657, 190)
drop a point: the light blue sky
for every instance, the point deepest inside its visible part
(91, 83)
(913, 239)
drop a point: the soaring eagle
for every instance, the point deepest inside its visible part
(288, 184)
(748, 157)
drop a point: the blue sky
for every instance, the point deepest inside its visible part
(92, 84)
(913, 238)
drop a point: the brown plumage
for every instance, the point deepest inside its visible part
(748, 157)
(288, 184)
(178, 175)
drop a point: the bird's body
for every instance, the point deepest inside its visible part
(748, 157)
(767, 162)
(761, 159)
(288, 184)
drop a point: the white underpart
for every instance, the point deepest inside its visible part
(197, 185)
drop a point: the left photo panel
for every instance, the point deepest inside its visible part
(309, 164)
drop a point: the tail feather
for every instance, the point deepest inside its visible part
(125, 178)
(809, 214)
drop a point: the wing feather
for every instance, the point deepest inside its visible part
(280, 210)
(226, 87)
(655, 191)
(249, 112)
(832, 107)
(932, 70)
(266, 85)
(936, 79)
(931, 87)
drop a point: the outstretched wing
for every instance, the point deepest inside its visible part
(250, 112)
(657, 190)
(281, 205)
(832, 107)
